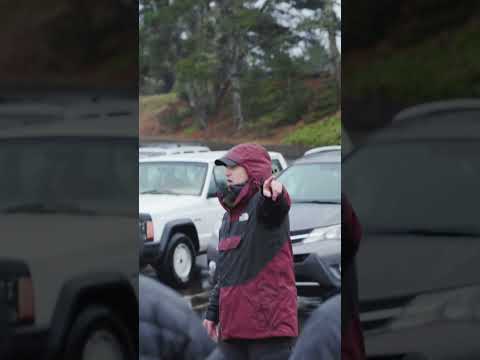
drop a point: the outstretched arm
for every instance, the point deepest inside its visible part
(274, 202)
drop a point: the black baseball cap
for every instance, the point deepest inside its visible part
(224, 161)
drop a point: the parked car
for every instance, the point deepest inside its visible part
(319, 151)
(178, 210)
(68, 235)
(414, 187)
(171, 150)
(315, 225)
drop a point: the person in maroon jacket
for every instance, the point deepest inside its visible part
(352, 338)
(252, 308)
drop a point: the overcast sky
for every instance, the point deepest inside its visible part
(291, 17)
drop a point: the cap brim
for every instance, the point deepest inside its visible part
(225, 162)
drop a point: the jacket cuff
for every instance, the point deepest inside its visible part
(212, 315)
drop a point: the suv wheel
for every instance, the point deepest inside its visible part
(179, 261)
(98, 333)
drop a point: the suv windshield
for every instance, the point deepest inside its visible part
(67, 175)
(313, 182)
(177, 178)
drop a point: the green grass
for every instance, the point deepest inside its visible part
(189, 131)
(320, 133)
(156, 103)
(444, 66)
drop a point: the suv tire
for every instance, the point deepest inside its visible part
(97, 332)
(179, 262)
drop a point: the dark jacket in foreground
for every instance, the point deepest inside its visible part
(168, 328)
(321, 337)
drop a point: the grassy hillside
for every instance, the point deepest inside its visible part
(308, 119)
(165, 115)
(323, 132)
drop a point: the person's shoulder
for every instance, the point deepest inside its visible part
(329, 311)
(168, 327)
(160, 304)
(321, 336)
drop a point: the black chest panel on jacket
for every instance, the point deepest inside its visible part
(252, 244)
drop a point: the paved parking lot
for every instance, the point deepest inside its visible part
(197, 294)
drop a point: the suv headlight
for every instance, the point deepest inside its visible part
(325, 233)
(16, 292)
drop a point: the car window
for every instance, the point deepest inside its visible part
(313, 182)
(415, 186)
(179, 178)
(276, 166)
(218, 178)
(212, 187)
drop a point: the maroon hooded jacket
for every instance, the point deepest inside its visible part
(255, 296)
(352, 338)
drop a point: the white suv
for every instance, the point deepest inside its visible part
(323, 149)
(147, 151)
(67, 270)
(178, 210)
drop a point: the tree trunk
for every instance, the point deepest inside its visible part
(201, 117)
(333, 49)
(237, 102)
(335, 61)
(236, 90)
(198, 106)
(168, 78)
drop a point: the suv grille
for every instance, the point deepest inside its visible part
(299, 258)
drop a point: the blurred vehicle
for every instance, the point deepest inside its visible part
(171, 150)
(414, 187)
(319, 151)
(315, 225)
(178, 210)
(68, 233)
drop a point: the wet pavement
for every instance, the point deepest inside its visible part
(198, 292)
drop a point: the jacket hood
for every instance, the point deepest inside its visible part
(254, 158)
(258, 165)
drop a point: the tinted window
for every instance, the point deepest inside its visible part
(276, 166)
(313, 182)
(172, 178)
